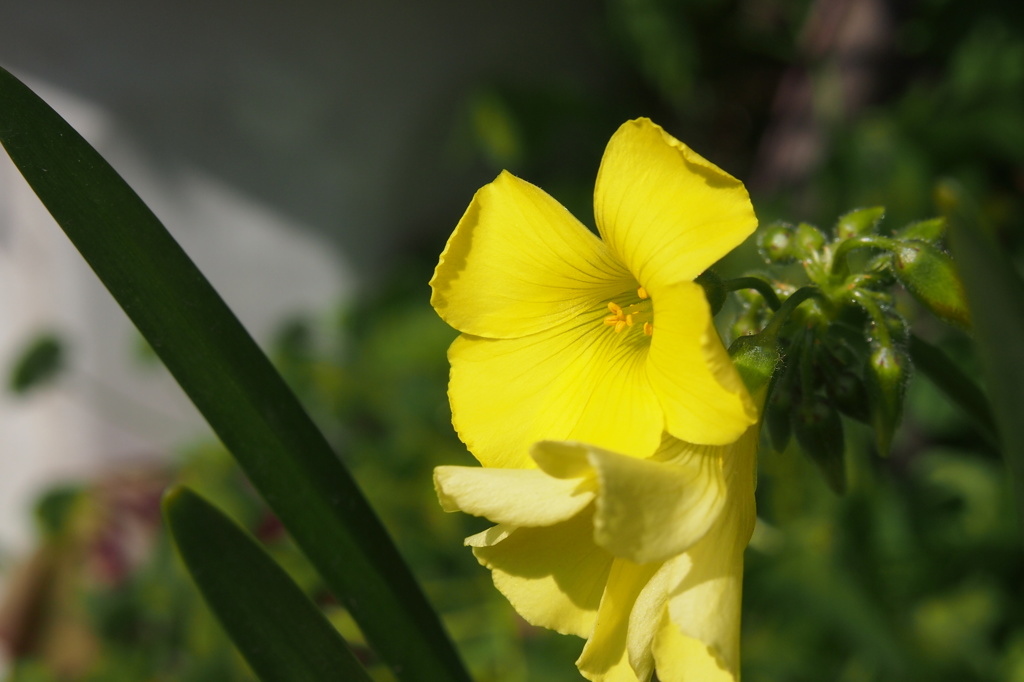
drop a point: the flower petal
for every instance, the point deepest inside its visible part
(699, 388)
(605, 657)
(563, 459)
(553, 576)
(583, 383)
(667, 212)
(519, 497)
(683, 659)
(704, 604)
(646, 616)
(651, 510)
(518, 262)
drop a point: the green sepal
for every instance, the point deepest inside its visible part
(281, 634)
(930, 276)
(886, 382)
(859, 222)
(756, 358)
(819, 431)
(932, 230)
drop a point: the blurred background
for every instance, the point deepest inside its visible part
(312, 158)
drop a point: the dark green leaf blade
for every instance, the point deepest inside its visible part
(282, 635)
(231, 382)
(995, 294)
(954, 383)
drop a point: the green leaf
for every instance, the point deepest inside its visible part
(230, 380)
(954, 383)
(994, 295)
(282, 635)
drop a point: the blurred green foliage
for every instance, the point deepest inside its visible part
(39, 363)
(913, 574)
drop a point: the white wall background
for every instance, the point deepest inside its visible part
(288, 146)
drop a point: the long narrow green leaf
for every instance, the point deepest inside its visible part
(232, 383)
(995, 294)
(955, 384)
(280, 632)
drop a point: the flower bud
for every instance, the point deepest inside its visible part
(929, 275)
(886, 382)
(819, 431)
(776, 243)
(932, 231)
(859, 222)
(846, 391)
(808, 240)
(747, 323)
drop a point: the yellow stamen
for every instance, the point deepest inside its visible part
(634, 314)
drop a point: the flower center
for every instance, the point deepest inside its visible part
(637, 313)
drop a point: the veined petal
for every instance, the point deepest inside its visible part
(553, 576)
(518, 497)
(646, 617)
(491, 536)
(667, 212)
(684, 659)
(563, 459)
(704, 603)
(699, 388)
(707, 609)
(650, 510)
(518, 262)
(579, 381)
(605, 657)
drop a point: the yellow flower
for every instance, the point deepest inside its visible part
(642, 557)
(568, 336)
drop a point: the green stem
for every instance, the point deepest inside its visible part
(756, 283)
(865, 242)
(955, 384)
(877, 316)
(783, 312)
